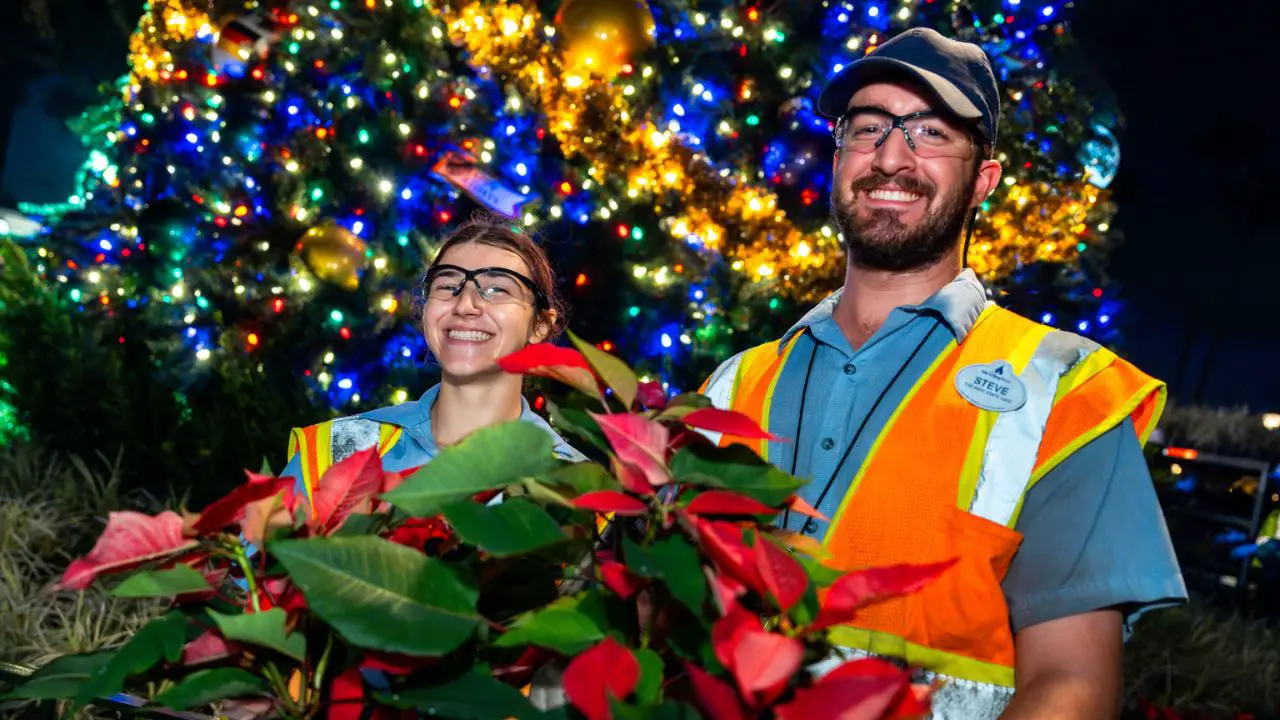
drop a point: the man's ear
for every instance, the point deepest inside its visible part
(543, 324)
(989, 173)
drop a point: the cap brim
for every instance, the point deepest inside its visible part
(834, 99)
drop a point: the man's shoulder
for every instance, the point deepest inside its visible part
(720, 382)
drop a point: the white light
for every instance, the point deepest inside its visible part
(385, 186)
(522, 169)
(357, 227)
(406, 193)
(666, 340)
(1271, 421)
(356, 163)
(203, 354)
(345, 383)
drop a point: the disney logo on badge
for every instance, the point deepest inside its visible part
(992, 386)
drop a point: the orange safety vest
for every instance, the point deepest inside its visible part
(946, 479)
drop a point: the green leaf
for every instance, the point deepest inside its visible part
(489, 458)
(513, 527)
(613, 371)
(178, 580)
(206, 686)
(160, 639)
(262, 628)
(649, 686)
(361, 524)
(682, 405)
(582, 478)
(266, 468)
(61, 678)
(736, 468)
(382, 596)
(578, 423)
(568, 625)
(819, 574)
(676, 562)
(669, 710)
(474, 696)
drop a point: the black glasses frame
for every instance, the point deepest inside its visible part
(899, 123)
(469, 276)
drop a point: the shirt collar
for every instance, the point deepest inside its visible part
(958, 303)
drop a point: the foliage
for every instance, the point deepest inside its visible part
(483, 585)
(1222, 431)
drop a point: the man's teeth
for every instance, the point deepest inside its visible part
(894, 195)
(469, 335)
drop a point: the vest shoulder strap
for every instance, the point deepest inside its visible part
(326, 443)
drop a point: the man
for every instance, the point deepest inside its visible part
(934, 424)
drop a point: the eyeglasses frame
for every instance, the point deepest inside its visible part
(469, 276)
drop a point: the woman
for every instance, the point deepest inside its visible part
(489, 292)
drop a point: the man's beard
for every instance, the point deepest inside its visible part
(881, 241)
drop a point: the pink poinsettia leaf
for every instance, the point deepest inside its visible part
(726, 422)
(724, 542)
(620, 580)
(129, 540)
(801, 506)
(552, 361)
(725, 502)
(610, 501)
(632, 478)
(863, 587)
(230, 509)
(262, 515)
(726, 589)
(604, 671)
(763, 662)
(651, 395)
(640, 442)
(725, 631)
(782, 575)
(857, 690)
(716, 697)
(208, 647)
(246, 709)
(343, 489)
(916, 703)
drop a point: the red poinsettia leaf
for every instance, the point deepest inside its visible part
(214, 576)
(610, 501)
(520, 672)
(725, 631)
(725, 502)
(799, 505)
(782, 575)
(209, 646)
(231, 508)
(417, 532)
(726, 589)
(763, 662)
(724, 543)
(608, 669)
(552, 361)
(715, 696)
(262, 515)
(130, 539)
(914, 705)
(619, 579)
(862, 587)
(727, 422)
(632, 478)
(344, 488)
(857, 690)
(640, 442)
(346, 696)
(651, 395)
(394, 663)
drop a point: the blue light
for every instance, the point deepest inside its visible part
(1047, 318)
(1015, 3)
(1021, 35)
(357, 227)
(844, 17)
(698, 294)
(346, 89)
(583, 218)
(104, 244)
(249, 183)
(345, 383)
(293, 109)
(1047, 11)
(1104, 319)
(873, 11)
(405, 351)
(192, 138)
(511, 130)
(666, 340)
(1083, 326)
(837, 67)
(678, 109)
(522, 169)
(191, 332)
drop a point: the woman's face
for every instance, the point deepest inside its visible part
(467, 333)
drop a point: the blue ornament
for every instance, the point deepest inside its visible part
(1100, 156)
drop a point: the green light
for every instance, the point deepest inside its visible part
(214, 100)
(363, 136)
(167, 299)
(406, 67)
(753, 120)
(779, 36)
(148, 118)
(316, 193)
(637, 233)
(986, 206)
(294, 48)
(336, 316)
(1080, 247)
(417, 3)
(75, 296)
(202, 303)
(403, 240)
(773, 304)
(1051, 128)
(999, 18)
(335, 5)
(633, 311)
(177, 273)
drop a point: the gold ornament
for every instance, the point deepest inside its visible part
(603, 35)
(334, 254)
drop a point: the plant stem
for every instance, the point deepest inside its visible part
(323, 665)
(281, 687)
(243, 561)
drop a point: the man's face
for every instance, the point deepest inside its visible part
(896, 210)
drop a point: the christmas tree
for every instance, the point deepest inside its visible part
(268, 181)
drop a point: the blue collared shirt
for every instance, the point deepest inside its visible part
(1094, 534)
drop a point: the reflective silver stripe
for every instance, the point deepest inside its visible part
(957, 699)
(720, 389)
(350, 435)
(1010, 455)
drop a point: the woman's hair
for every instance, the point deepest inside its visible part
(494, 231)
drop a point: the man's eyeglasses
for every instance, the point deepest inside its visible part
(929, 135)
(494, 284)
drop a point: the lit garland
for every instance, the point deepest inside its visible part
(168, 22)
(1036, 222)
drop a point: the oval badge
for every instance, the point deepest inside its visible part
(993, 386)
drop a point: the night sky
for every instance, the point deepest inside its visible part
(1198, 190)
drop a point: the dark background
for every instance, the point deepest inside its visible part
(1198, 188)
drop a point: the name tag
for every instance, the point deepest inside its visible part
(993, 386)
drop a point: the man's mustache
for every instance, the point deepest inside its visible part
(874, 180)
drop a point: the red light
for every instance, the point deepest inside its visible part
(581, 280)
(307, 373)
(541, 133)
(1181, 453)
(623, 231)
(241, 211)
(419, 150)
(539, 402)
(742, 51)
(1097, 292)
(164, 75)
(293, 18)
(257, 73)
(455, 102)
(252, 339)
(445, 216)
(359, 212)
(1008, 20)
(322, 133)
(319, 64)
(145, 142)
(220, 222)
(808, 196)
(182, 74)
(72, 264)
(120, 339)
(678, 268)
(628, 69)
(105, 300)
(278, 305)
(345, 333)
(100, 258)
(753, 14)
(606, 346)
(126, 252)
(211, 80)
(566, 188)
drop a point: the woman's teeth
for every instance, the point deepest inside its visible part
(469, 335)
(893, 195)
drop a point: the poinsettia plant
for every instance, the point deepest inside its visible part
(498, 581)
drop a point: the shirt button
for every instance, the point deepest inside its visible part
(811, 526)
(828, 443)
(850, 368)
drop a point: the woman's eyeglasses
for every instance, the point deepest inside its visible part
(496, 285)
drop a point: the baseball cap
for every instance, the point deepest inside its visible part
(957, 73)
